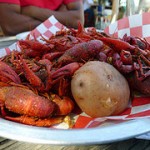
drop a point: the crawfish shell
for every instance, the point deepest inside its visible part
(141, 86)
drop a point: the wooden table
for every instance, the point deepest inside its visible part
(130, 144)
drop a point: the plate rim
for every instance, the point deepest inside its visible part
(102, 135)
(22, 35)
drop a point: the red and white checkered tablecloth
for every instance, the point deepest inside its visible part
(137, 25)
(47, 28)
(138, 108)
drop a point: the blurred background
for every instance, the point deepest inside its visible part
(100, 13)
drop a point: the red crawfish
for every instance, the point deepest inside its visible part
(33, 48)
(7, 74)
(31, 108)
(81, 52)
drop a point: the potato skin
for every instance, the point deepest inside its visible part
(99, 89)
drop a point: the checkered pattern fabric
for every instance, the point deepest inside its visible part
(138, 108)
(47, 28)
(135, 25)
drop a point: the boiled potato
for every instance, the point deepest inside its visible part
(99, 89)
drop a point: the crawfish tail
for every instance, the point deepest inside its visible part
(81, 52)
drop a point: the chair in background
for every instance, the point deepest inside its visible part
(122, 8)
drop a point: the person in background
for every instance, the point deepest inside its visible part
(89, 15)
(23, 15)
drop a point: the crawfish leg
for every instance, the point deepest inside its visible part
(3, 112)
(64, 105)
(66, 70)
(30, 76)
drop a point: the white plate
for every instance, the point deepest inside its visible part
(102, 135)
(22, 35)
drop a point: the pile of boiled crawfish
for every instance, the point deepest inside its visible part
(35, 81)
